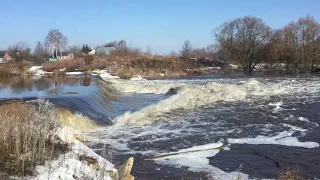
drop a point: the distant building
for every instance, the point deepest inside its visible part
(66, 56)
(61, 56)
(5, 57)
(92, 52)
(105, 50)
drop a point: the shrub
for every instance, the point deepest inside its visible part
(27, 137)
(68, 65)
(89, 59)
(290, 175)
(9, 69)
(125, 73)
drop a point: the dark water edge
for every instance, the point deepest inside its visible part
(266, 161)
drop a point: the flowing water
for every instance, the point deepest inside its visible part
(227, 126)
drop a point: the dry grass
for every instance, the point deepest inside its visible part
(145, 65)
(10, 69)
(68, 65)
(27, 137)
(125, 73)
(290, 175)
(202, 175)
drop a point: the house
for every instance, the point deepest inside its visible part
(105, 50)
(66, 56)
(92, 52)
(5, 57)
(60, 56)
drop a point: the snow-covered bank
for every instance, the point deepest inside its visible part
(79, 163)
(37, 71)
(104, 74)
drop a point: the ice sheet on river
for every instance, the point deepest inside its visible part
(283, 138)
(196, 159)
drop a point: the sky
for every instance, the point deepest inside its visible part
(161, 25)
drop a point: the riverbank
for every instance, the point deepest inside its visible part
(126, 67)
(14, 69)
(39, 141)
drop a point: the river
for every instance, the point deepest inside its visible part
(228, 126)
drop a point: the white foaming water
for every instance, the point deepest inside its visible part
(144, 128)
(277, 106)
(302, 119)
(190, 96)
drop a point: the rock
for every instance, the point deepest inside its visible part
(125, 169)
(91, 161)
(81, 139)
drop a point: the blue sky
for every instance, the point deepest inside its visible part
(162, 25)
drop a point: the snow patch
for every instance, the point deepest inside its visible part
(104, 74)
(74, 73)
(70, 166)
(37, 71)
(67, 134)
(137, 78)
(34, 69)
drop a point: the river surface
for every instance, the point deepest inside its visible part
(226, 126)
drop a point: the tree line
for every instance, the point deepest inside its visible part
(248, 41)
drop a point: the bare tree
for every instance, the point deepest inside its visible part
(148, 50)
(111, 44)
(297, 45)
(199, 53)
(39, 52)
(304, 34)
(75, 49)
(212, 50)
(186, 49)
(55, 41)
(122, 44)
(62, 43)
(19, 51)
(244, 40)
(173, 54)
